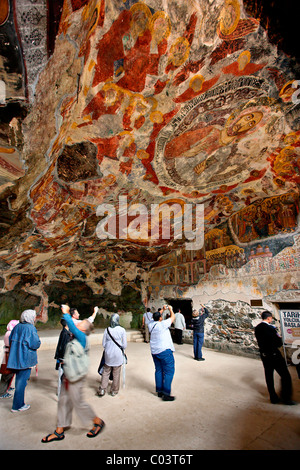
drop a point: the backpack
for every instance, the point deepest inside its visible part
(76, 361)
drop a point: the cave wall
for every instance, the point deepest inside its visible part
(235, 293)
(113, 292)
(158, 101)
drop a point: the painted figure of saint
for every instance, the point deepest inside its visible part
(210, 138)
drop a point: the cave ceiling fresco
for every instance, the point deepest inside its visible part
(187, 102)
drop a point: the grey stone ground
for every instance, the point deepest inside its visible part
(221, 404)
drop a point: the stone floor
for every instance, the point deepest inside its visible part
(221, 404)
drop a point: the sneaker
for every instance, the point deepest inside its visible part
(6, 395)
(101, 392)
(23, 408)
(113, 394)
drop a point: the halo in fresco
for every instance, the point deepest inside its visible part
(200, 148)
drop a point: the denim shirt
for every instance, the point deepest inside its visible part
(24, 342)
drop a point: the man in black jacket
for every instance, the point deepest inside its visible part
(268, 342)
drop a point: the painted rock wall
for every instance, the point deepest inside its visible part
(160, 101)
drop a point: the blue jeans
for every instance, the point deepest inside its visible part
(21, 379)
(164, 371)
(198, 339)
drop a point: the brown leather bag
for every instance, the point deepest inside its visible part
(3, 368)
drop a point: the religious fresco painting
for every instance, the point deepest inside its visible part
(12, 69)
(156, 101)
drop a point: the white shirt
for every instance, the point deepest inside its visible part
(160, 336)
(148, 317)
(113, 354)
(179, 321)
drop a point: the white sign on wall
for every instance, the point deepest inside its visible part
(290, 324)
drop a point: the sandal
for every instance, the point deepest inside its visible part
(58, 437)
(97, 428)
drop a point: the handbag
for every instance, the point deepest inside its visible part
(125, 357)
(102, 362)
(101, 365)
(3, 367)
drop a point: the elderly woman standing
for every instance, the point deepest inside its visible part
(114, 343)
(24, 342)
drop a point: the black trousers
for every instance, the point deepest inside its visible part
(275, 362)
(178, 336)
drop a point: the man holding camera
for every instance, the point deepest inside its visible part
(162, 349)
